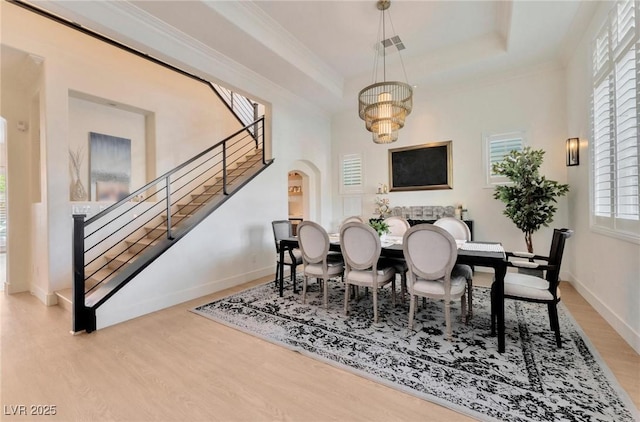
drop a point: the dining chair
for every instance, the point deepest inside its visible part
(361, 248)
(318, 263)
(398, 227)
(460, 231)
(282, 229)
(431, 253)
(531, 288)
(353, 218)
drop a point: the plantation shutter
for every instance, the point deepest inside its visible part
(352, 174)
(627, 206)
(615, 146)
(499, 148)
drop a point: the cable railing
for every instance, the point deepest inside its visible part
(113, 246)
(241, 106)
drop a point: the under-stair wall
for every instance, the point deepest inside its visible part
(230, 247)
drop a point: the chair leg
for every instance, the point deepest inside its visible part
(555, 324)
(463, 308)
(493, 311)
(403, 285)
(304, 289)
(447, 318)
(412, 309)
(277, 273)
(326, 293)
(293, 278)
(470, 297)
(347, 288)
(375, 305)
(393, 290)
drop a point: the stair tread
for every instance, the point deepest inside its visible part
(124, 256)
(142, 240)
(65, 294)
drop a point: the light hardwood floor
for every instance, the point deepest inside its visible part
(173, 365)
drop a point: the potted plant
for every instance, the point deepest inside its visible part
(530, 198)
(380, 226)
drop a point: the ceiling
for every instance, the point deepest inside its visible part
(324, 50)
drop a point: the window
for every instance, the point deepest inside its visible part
(495, 148)
(351, 175)
(615, 206)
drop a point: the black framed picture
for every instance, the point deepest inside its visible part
(421, 167)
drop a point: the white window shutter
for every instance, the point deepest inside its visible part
(352, 175)
(615, 148)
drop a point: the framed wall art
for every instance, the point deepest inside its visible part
(110, 167)
(421, 167)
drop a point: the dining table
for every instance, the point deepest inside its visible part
(476, 253)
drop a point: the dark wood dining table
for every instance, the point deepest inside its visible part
(495, 260)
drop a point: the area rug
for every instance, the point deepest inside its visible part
(532, 381)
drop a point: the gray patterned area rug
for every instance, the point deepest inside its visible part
(531, 381)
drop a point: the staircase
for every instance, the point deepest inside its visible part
(111, 248)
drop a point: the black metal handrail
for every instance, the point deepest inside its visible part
(100, 243)
(245, 109)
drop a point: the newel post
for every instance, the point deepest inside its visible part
(81, 315)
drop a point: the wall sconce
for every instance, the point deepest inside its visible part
(573, 151)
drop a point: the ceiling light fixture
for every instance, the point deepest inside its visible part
(384, 105)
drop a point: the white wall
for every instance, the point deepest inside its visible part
(533, 102)
(233, 245)
(605, 270)
(15, 108)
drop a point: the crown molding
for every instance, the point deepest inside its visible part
(133, 26)
(252, 20)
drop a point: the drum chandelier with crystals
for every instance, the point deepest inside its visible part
(384, 105)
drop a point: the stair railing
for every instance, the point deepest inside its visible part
(154, 208)
(241, 106)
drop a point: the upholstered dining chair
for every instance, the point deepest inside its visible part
(361, 248)
(531, 288)
(460, 231)
(282, 229)
(318, 263)
(353, 218)
(431, 253)
(398, 227)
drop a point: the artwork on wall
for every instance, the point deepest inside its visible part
(420, 167)
(110, 167)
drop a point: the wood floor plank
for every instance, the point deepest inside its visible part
(175, 365)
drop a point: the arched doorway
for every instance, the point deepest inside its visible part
(304, 199)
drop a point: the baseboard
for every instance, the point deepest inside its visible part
(621, 327)
(107, 316)
(49, 299)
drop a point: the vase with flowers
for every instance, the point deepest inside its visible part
(382, 207)
(78, 192)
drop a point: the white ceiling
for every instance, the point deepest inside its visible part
(323, 50)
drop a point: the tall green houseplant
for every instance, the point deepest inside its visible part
(530, 198)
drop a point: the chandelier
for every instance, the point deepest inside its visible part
(384, 105)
